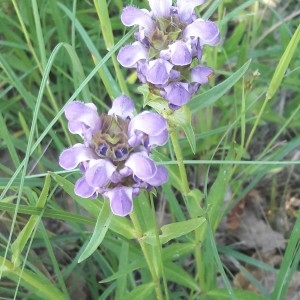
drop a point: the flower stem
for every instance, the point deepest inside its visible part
(139, 233)
(158, 250)
(179, 157)
(199, 257)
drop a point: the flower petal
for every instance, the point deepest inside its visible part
(197, 49)
(160, 8)
(158, 140)
(194, 87)
(165, 54)
(177, 93)
(186, 9)
(71, 157)
(142, 69)
(79, 114)
(134, 16)
(201, 74)
(99, 172)
(180, 53)
(160, 177)
(159, 71)
(83, 189)
(129, 55)
(174, 75)
(120, 200)
(123, 107)
(141, 165)
(207, 32)
(152, 124)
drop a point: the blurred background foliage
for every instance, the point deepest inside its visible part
(30, 33)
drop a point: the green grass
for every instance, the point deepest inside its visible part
(244, 127)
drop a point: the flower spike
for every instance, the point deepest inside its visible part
(168, 48)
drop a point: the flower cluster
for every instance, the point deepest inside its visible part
(114, 156)
(168, 48)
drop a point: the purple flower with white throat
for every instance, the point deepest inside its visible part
(114, 156)
(170, 40)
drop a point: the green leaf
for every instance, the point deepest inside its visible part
(235, 13)
(99, 233)
(119, 225)
(109, 82)
(211, 9)
(283, 64)
(176, 250)
(193, 203)
(123, 227)
(174, 230)
(141, 292)
(107, 32)
(20, 242)
(289, 263)
(39, 34)
(47, 212)
(178, 275)
(221, 294)
(68, 187)
(5, 135)
(37, 284)
(144, 213)
(123, 263)
(137, 264)
(212, 248)
(212, 95)
(217, 192)
(105, 22)
(174, 206)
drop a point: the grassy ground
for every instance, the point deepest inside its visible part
(235, 236)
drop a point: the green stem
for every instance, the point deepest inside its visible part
(139, 233)
(179, 157)
(159, 250)
(199, 259)
(120, 76)
(185, 190)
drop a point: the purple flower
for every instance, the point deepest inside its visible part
(123, 107)
(181, 53)
(169, 41)
(72, 157)
(114, 157)
(145, 169)
(207, 32)
(161, 8)
(177, 93)
(186, 9)
(129, 55)
(120, 200)
(159, 71)
(156, 130)
(201, 74)
(134, 16)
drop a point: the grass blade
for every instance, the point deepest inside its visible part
(37, 284)
(289, 263)
(99, 233)
(283, 64)
(19, 244)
